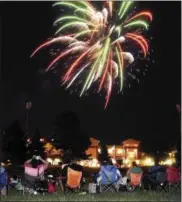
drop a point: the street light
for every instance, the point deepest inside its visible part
(28, 107)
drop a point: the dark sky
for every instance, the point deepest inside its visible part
(146, 111)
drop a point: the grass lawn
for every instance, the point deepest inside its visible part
(120, 196)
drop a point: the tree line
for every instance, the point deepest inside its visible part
(67, 135)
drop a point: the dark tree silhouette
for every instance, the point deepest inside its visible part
(36, 147)
(67, 157)
(178, 147)
(69, 134)
(14, 144)
(1, 145)
(158, 148)
(178, 154)
(103, 156)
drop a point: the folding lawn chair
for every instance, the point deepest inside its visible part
(160, 181)
(173, 180)
(3, 182)
(73, 181)
(108, 179)
(33, 184)
(135, 181)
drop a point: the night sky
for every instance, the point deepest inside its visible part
(146, 111)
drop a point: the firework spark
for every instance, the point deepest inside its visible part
(97, 40)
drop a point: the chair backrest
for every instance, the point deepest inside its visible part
(108, 174)
(172, 175)
(30, 179)
(73, 178)
(161, 177)
(135, 178)
(3, 178)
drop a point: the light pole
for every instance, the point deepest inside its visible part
(28, 106)
(178, 107)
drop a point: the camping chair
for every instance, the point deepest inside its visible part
(28, 183)
(33, 184)
(73, 181)
(173, 180)
(108, 179)
(3, 183)
(135, 181)
(160, 181)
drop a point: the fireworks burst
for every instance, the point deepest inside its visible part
(97, 40)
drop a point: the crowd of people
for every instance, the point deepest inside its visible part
(35, 168)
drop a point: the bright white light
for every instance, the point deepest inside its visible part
(168, 161)
(90, 163)
(119, 151)
(113, 161)
(49, 160)
(126, 161)
(149, 162)
(82, 163)
(137, 162)
(56, 161)
(110, 150)
(41, 139)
